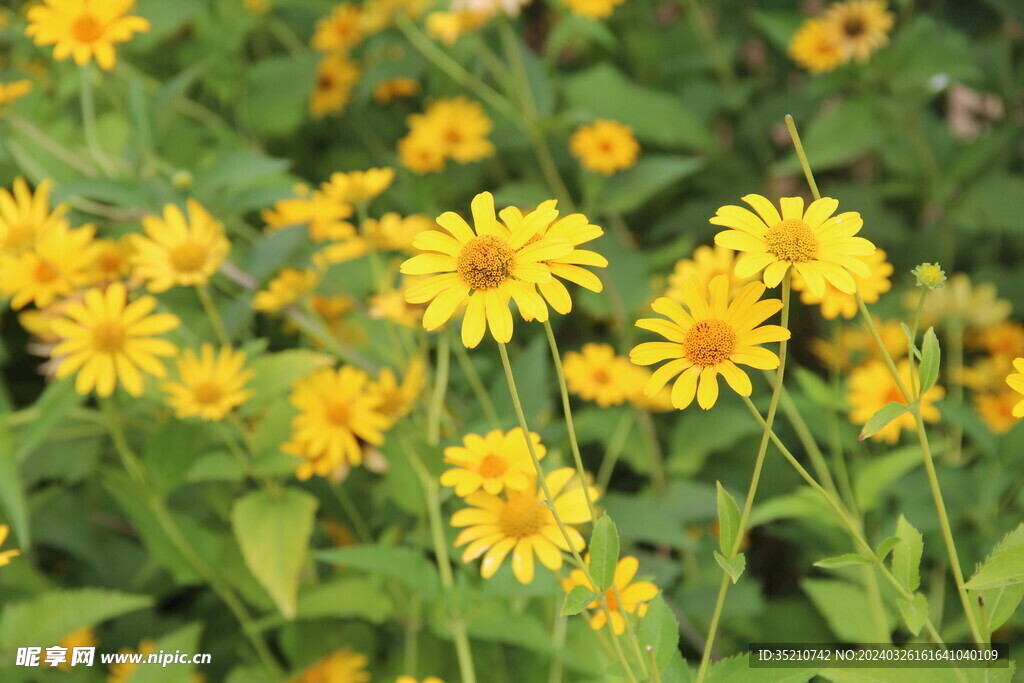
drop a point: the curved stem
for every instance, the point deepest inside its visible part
(477, 385)
(88, 102)
(213, 315)
(440, 386)
(659, 480)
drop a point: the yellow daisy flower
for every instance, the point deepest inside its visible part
(335, 311)
(10, 92)
(422, 152)
(400, 87)
(635, 594)
(210, 385)
(107, 340)
(604, 146)
(1005, 339)
(576, 229)
(343, 666)
(1016, 382)
(6, 555)
(872, 386)
(336, 412)
(598, 374)
(997, 409)
(58, 264)
(636, 385)
(521, 522)
(393, 306)
(83, 637)
(484, 269)
(493, 462)
(713, 337)
(863, 26)
(359, 186)
(455, 128)
(856, 345)
(976, 306)
(25, 216)
(835, 303)
(706, 264)
(336, 76)
(286, 289)
(817, 46)
(397, 400)
(111, 259)
(818, 246)
(323, 215)
(179, 252)
(448, 27)
(341, 251)
(593, 9)
(392, 232)
(340, 31)
(84, 29)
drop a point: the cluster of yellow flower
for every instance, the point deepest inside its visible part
(84, 31)
(604, 146)
(596, 373)
(848, 30)
(454, 128)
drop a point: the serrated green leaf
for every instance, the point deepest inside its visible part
(1004, 568)
(273, 530)
(734, 567)
(604, 552)
(886, 546)
(915, 612)
(847, 560)
(877, 422)
(577, 600)
(659, 630)
(728, 520)
(842, 603)
(930, 356)
(906, 556)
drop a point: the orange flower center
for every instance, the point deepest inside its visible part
(854, 27)
(338, 414)
(485, 262)
(207, 392)
(188, 257)
(86, 28)
(709, 342)
(44, 273)
(453, 136)
(522, 516)
(601, 376)
(894, 395)
(609, 596)
(492, 466)
(792, 240)
(108, 336)
(110, 262)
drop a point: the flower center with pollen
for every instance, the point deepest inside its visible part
(207, 392)
(792, 240)
(338, 414)
(45, 273)
(108, 336)
(188, 257)
(86, 28)
(709, 342)
(492, 466)
(485, 262)
(854, 27)
(522, 516)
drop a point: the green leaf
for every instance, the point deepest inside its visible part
(906, 556)
(274, 374)
(847, 560)
(273, 530)
(841, 134)
(915, 612)
(842, 604)
(728, 520)
(877, 422)
(872, 480)
(886, 546)
(57, 399)
(406, 565)
(577, 600)
(930, 353)
(734, 567)
(604, 552)
(1002, 601)
(495, 622)
(633, 187)
(45, 619)
(659, 630)
(1003, 568)
(345, 597)
(278, 90)
(12, 491)
(184, 639)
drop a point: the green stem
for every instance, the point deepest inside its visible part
(659, 480)
(213, 315)
(307, 321)
(655, 674)
(362, 529)
(440, 386)
(616, 443)
(752, 491)
(58, 150)
(88, 102)
(477, 385)
(807, 440)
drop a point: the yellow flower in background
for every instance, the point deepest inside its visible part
(863, 26)
(712, 337)
(340, 31)
(856, 345)
(84, 30)
(124, 671)
(593, 9)
(817, 245)
(392, 232)
(636, 384)
(209, 385)
(817, 46)
(343, 666)
(323, 215)
(976, 306)
(454, 128)
(11, 92)
(483, 269)
(835, 303)
(422, 152)
(397, 400)
(635, 594)
(358, 186)
(400, 87)
(25, 215)
(341, 251)
(83, 637)
(598, 374)
(520, 522)
(6, 555)
(997, 409)
(1016, 382)
(335, 311)
(494, 462)
(107, 340)
(411, 679)
(337, 411)
(706, 264)
(58, 264)
(179, 252)
(448, 27)
(336, 75)
(1004, 340)
(112, 259)
(392, 306)
(576, 229)
(257, 6)
(285, 289)
(604, 146)
(379, 14)
(872, 386)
